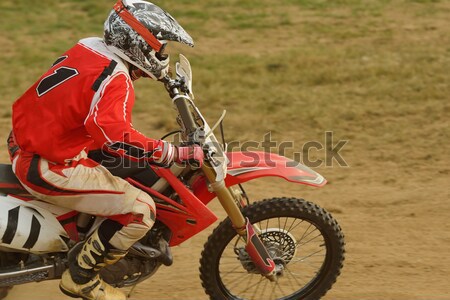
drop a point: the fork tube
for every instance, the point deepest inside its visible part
(253, 245)
(226, 199)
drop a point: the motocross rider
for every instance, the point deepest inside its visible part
(84, 102)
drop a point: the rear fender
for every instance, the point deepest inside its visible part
(246, 166)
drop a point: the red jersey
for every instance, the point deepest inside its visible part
(83, 102)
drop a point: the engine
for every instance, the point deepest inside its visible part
(143, 259)
(129, 271)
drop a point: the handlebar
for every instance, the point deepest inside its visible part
(194, 133)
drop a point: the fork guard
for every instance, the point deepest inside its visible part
(258, 252)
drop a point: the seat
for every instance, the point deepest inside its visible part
(9, 184)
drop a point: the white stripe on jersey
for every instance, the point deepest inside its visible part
(126, 101)
(127, 78)
(97, 46)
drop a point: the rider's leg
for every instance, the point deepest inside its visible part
(87, 187)
(105, 246)
(82, 279)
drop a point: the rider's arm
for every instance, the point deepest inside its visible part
(109, 124)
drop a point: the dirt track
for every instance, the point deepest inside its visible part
(397, 240)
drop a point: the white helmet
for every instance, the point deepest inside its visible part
(138, 32)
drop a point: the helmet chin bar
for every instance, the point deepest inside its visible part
(162, 72)
(136, 73)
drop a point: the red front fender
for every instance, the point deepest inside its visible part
(245, 166)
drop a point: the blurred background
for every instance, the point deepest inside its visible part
(374, 73)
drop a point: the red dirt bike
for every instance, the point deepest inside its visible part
(279, 248)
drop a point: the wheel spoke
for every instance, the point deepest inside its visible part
(273, 291)
(285, 222)
(301, 259)
(267, 224)
(292, 227)
(314, 265)
(256, 290)
(251, 286)
(264, 288)
(305, 234)
(277, 284)
(284, 228)
(237, 281)
(292, 275)
(232, 271)
(304, 243)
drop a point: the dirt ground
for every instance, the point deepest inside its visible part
(397, 241)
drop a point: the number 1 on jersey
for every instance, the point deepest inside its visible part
(59, 76)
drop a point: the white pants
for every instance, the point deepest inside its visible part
(85, 186)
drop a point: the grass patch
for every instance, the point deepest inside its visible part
(375, 71)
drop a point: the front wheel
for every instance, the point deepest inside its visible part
(305, 242)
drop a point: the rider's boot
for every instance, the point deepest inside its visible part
(82, 280)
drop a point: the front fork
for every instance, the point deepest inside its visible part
(254, 247)
(253, 244)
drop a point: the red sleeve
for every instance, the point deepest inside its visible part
(109, 123)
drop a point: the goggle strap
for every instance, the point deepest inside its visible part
(128, 18)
